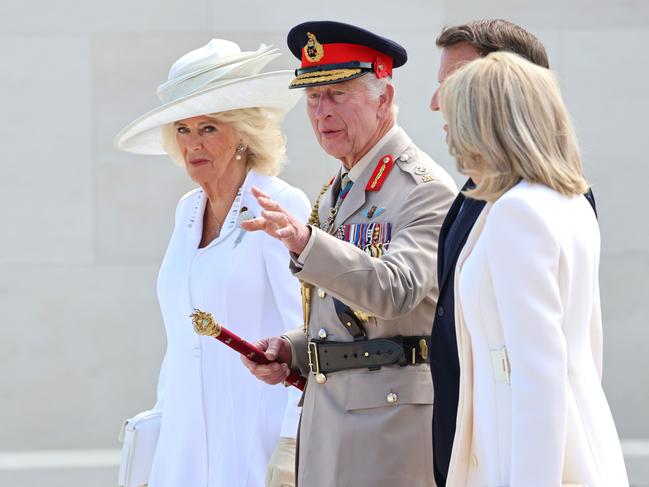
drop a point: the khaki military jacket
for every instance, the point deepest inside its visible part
(362, 427)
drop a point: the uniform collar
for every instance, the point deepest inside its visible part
(367, 159)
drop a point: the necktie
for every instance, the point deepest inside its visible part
(345, 185)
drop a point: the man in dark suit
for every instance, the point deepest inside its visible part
(461, 44)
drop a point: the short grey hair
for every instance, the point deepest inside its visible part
(376, 87)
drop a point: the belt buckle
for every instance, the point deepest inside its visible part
(314, 360)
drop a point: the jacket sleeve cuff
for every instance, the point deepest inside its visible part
(298, 342)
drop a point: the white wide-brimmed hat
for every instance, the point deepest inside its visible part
(214, 78)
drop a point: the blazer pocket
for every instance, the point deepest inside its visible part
(388, 387)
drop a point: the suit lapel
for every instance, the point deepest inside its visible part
(460, 455)
(442, 268)
(354, 200)
(455, 229)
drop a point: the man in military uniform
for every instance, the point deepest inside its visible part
(364, 346)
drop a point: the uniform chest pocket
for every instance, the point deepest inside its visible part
(373, 238)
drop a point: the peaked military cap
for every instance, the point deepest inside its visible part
(332, 52)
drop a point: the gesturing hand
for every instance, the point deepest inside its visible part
(278, 223)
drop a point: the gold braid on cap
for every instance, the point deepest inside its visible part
(320, 76)
(307, 288)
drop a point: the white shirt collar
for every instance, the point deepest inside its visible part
(232, 219)
(356, 171)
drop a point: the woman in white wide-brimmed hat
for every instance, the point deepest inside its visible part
(220, 119)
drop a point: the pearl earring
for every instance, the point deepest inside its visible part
(240, 150)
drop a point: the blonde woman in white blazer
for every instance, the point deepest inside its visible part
(532, 411)
(220, 120)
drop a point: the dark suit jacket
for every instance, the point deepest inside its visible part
(444, 362)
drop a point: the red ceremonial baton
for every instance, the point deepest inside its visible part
(205, 324)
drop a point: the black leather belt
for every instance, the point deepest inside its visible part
(326, 356)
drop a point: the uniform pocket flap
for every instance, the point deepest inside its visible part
(388, 387)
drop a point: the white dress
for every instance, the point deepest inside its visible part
(220, 424)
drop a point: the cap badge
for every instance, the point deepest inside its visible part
(313, 51)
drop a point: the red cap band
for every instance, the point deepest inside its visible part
(346, 53)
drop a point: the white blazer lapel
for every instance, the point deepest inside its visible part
(461, 453)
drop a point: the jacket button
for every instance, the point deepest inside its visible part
(440, 311)
(321, 293)
(392, 398)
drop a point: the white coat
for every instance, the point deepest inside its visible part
(220, 424)
(532, 411)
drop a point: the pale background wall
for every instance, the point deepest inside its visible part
(85, 227)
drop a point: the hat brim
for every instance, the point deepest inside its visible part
(265, 90)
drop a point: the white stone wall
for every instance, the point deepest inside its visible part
(85, 226)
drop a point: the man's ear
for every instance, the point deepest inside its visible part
(385, 100)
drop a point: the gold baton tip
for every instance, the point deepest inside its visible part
(204, 323)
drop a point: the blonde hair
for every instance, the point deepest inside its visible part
(506, 122)
(258, 130)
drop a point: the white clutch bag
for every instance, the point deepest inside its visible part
(140, 437)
